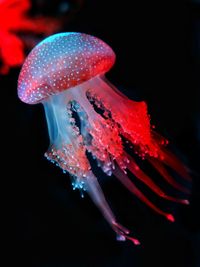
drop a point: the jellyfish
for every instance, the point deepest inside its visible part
(66, 73)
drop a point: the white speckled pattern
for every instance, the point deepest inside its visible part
(62, 61)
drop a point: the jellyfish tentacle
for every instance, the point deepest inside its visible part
(66, 157)
(66, 143)
(105, 139)
(168, 158)
(99, 148)
(104, 160)
(130, 117)
(94, 190)
(174, 163)
(165, 174)
(98, 96)
(135, 169)
(121, 176)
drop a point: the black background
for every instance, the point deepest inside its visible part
(157, 48)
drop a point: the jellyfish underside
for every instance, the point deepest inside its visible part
(100, 133)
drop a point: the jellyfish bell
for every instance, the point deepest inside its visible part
(66, 73)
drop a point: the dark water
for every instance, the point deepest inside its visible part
(157, 47)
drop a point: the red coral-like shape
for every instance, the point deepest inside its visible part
(14, 19)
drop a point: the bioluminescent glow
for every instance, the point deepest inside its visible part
(65, 73)
(18, 31)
